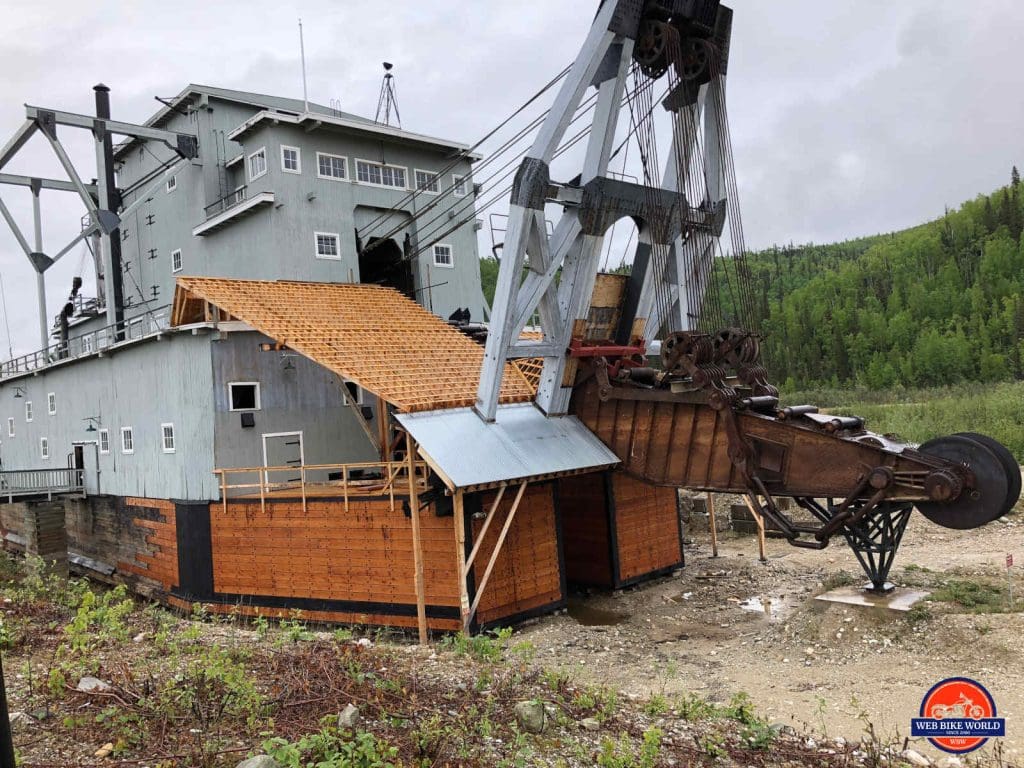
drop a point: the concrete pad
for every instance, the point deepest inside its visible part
(899, 599)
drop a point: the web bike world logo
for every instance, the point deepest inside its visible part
(958, 715)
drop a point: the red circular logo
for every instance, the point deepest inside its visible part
(962, 699)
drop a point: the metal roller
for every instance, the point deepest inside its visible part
(980, 502)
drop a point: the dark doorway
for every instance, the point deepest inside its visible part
(79, 465)
(383, 262)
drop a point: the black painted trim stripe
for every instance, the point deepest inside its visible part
(321, 604)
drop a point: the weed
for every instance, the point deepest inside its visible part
(974, 596)
(333, 748)
(483, 647)
(692, 707)
(656, 705)
(342, 635)
(918, 614)
(838, 579)
(625, 754)
(295, 631)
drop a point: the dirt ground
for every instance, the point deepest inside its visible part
(825, 666)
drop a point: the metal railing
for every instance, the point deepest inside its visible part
(367, 478)
(229, 200)
(150, 323)
(16, 483)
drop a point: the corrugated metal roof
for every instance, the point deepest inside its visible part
(522, 443)
(384, 342)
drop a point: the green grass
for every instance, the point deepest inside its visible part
(973, 596)
(917, 415)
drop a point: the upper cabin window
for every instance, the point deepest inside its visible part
(331, 166)
(427, 182)
(443, 256)
(176, 260)
(127, 440)
(28, 411)
(104, 440)
(257, 163)
(10, 426)
(172, 183)
(327, 245)
(244, 395)
(167, 435)
(380, 175)
(51, 403)
(291, 160)
(44, 448)
(352, 394)
(460, 185)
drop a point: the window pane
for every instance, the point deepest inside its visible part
(243, 397)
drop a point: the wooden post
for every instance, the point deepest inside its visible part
(756, 512)
(417, 546)
(460, 557)
(712, 524)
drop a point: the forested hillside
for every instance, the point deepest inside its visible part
(937, 304)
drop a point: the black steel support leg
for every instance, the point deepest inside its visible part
(875, 539)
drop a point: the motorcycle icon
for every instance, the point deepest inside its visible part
(962, 708)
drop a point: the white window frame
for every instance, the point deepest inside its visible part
(337, 243)
(329, 177)
(248, 164)
(44, 448)
(346, 393)
(104, 437)
(51, 403)
(451, 256)
(425, 189)
(298, 160)
(10, 426)
(164, 435)
(28, 411)
(130, 432)
(231, 399)
(404, 169)
(88, 344)
(171, 184)
(460, 180)
(176, 253)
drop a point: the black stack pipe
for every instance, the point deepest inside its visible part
(114, 281)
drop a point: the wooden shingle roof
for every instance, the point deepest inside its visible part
(374, 336)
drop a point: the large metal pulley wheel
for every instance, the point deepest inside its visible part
(996, 486)
(693, 59)
(651, 51)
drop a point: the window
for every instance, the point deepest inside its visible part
(427, 182)
(176, 260)
(127, 440)
(380, 175)
(257, 163)
(28, 411)
(352, 394)
(244, 395)
(10, 426)
(291, 162)
(44, 448)
(51, 403)
(331, 166)
(104, 441)
(167, 432)
(327, 245)
(460, 185)
(88, 344)
(172, 184)
(443, 256)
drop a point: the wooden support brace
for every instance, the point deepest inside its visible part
(712, 524)
(417, 546)
(497, 549)
(756, 512)
(487, 524)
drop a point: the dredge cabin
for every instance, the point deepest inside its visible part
(226, 420)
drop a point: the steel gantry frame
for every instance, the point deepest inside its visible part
(590, 206)
(100, 198)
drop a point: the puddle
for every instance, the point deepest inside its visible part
(773, 608)
(591, 616)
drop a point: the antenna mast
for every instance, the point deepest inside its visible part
(388, 100)
(302, 54)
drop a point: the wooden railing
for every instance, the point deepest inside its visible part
(16, 483)
(367, 478)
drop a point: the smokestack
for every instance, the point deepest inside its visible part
(114, 282)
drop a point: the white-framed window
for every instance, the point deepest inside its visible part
(176, 260)
(443, 256)
(104, 441)
(460, 185)
(88, 344)
(51, 403)
(427, 182)
(172, 184)
(380, 175)
(167, 437)
(44, 448)
(10, 426)
(127, 440)
(352, 393)
(28, 411)
(331, 166)
(291, 159)
(257, 163)
(244, 395)
(327, 245)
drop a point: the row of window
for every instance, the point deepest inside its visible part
(328, 247)
(127, 441)
(51, 408)
(245, 395)
(335, 167)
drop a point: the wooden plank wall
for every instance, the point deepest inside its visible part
(647, 528)
(585, 531)
(528, 573)
(156, 556)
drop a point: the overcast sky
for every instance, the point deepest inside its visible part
(848, 117)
